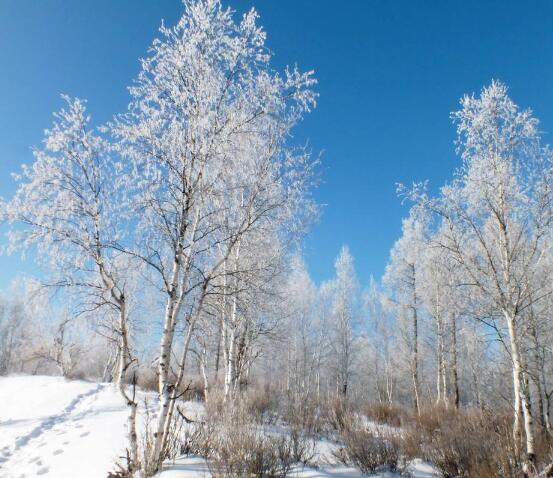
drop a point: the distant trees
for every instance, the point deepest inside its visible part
(301, 333)
(345, 317)
(402, 277)
(14, 334)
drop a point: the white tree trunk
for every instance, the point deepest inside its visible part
(521, 398)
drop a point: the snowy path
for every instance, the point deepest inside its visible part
(53, 428)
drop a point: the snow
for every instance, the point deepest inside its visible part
(55, 428)
(196, 467)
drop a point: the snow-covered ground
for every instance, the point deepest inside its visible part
(196, 467)
(55, 428)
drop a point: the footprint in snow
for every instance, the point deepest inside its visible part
(58, 452)
(43, 471)
(84, 434)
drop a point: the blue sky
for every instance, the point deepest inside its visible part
(389, 74)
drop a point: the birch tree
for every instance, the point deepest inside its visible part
(402, 279)
(382, 338)
(205, 139)
(67, 210)
(498, 213)
(345, 317)
(301, 334)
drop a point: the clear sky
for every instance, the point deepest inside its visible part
(389, 74)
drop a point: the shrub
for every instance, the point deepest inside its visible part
(386, 413)
(240, 447)
(303, 414)
(471, 446)
(247, 452)
(337, 413)
(368, 450)
(147, 378)
(466, 443)
(302, 446)
(261, 403)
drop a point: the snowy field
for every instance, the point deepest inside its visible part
(55, 428)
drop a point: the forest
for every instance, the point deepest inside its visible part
(171, 236)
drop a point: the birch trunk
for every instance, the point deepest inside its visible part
(231, 356)
(415, 349)
(454, 368)
(441, 376)
(169, 324)
(124, 362)
(522, 399)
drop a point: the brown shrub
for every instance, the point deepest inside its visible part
(261, 403)
(303, 414)
(388, 414)
(302, 446)
(247, 453)
(368, 450)
(193, 390)
(336, 413)
(147, 379)
(467, 443)
(471, 447)
(237, 444)
(238, 447)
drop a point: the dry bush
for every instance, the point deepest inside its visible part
(246, 452)
(368, 450)
(467, 443)
(261, 403)
(193, 390)
(388, 414)
(302, 446)
(471, 446)
(147, 378)
(240, 448)
(123, 468)
(187, 437)
(303, 414)
(336, 413)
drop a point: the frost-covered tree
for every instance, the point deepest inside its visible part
(442, 298)
(402, 280)
(69, 209)
(497, 212)
(383, 340)
(301, 335)
(345, 316)
(205, 138)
